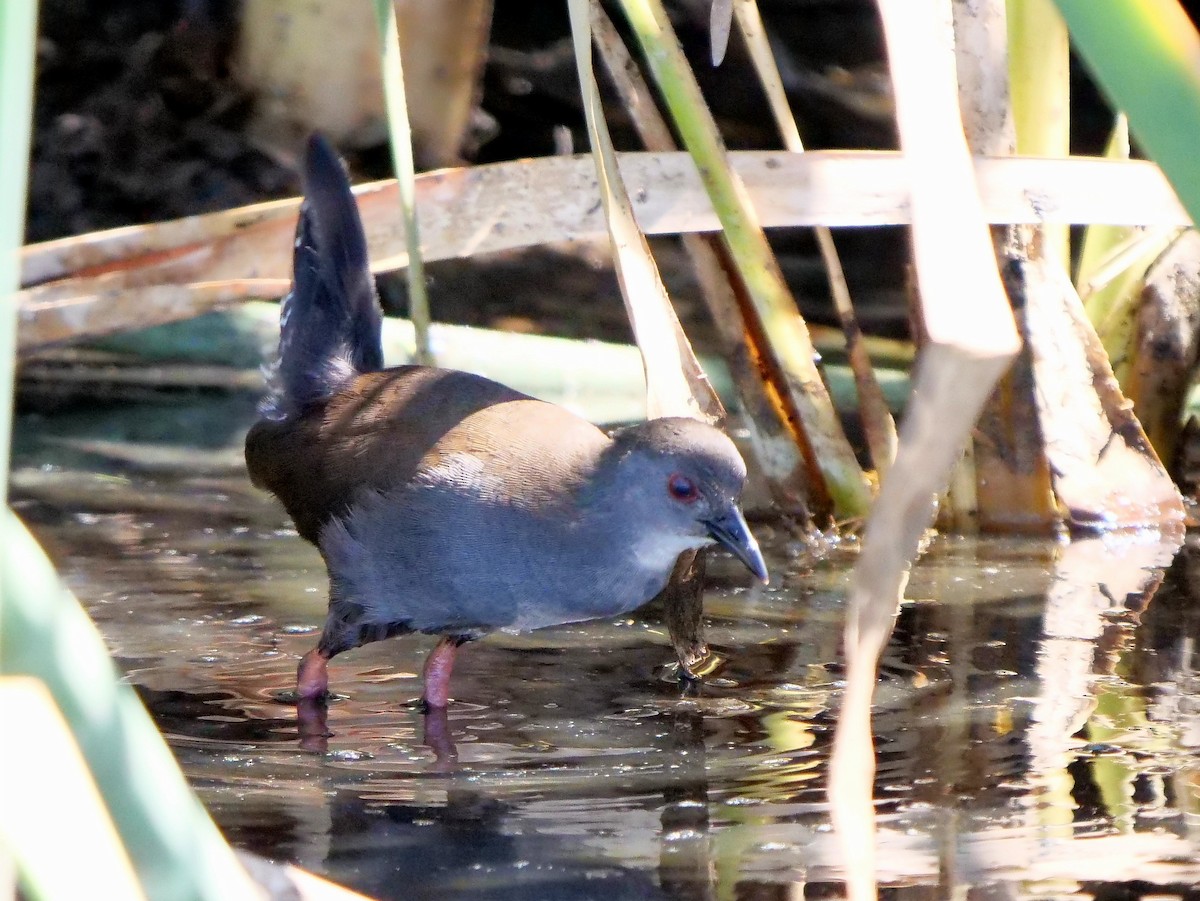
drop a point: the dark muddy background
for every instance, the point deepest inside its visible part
(138, 119)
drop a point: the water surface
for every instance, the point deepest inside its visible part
(1036, 717)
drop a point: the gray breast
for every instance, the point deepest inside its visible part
(441, 560)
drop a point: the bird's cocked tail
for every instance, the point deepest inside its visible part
(329, 324)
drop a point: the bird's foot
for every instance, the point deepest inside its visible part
(701, 663)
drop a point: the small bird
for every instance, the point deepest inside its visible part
(447, 503)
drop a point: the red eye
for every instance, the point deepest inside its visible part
(682, 488)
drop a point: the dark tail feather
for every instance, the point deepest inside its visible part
(329, 325)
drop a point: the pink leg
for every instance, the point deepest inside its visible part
(312, 677)
(438, 665)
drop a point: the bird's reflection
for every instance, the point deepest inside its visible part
(685, 862)
(312, 722)
(439, 740)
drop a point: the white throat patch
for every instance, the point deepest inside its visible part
(657, 551)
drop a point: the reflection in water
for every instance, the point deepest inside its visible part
(312, 724)
(1037, 718)
(685, 864)
(1100, 585)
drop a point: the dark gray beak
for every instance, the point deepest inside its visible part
(731, 530)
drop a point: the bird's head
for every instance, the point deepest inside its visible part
(680, 484)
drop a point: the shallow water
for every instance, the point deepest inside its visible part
(1036, 717)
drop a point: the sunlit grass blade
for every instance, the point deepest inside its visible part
(1040, 85)
(1113, 260)
(1099, 240)
(402, 159)
(39, 752)
(1143, 53)
(675, 383)
(18, 40)
(174, 845)
(999, 485)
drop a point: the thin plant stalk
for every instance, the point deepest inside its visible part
(1040, 86)
(878, 425)
(1099, 240)
(18, 38)
(999, 485)
(402, 161)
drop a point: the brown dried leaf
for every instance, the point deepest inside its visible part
(1106, 475)
(195, 262)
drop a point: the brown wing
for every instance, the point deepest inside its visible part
(375, 433)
